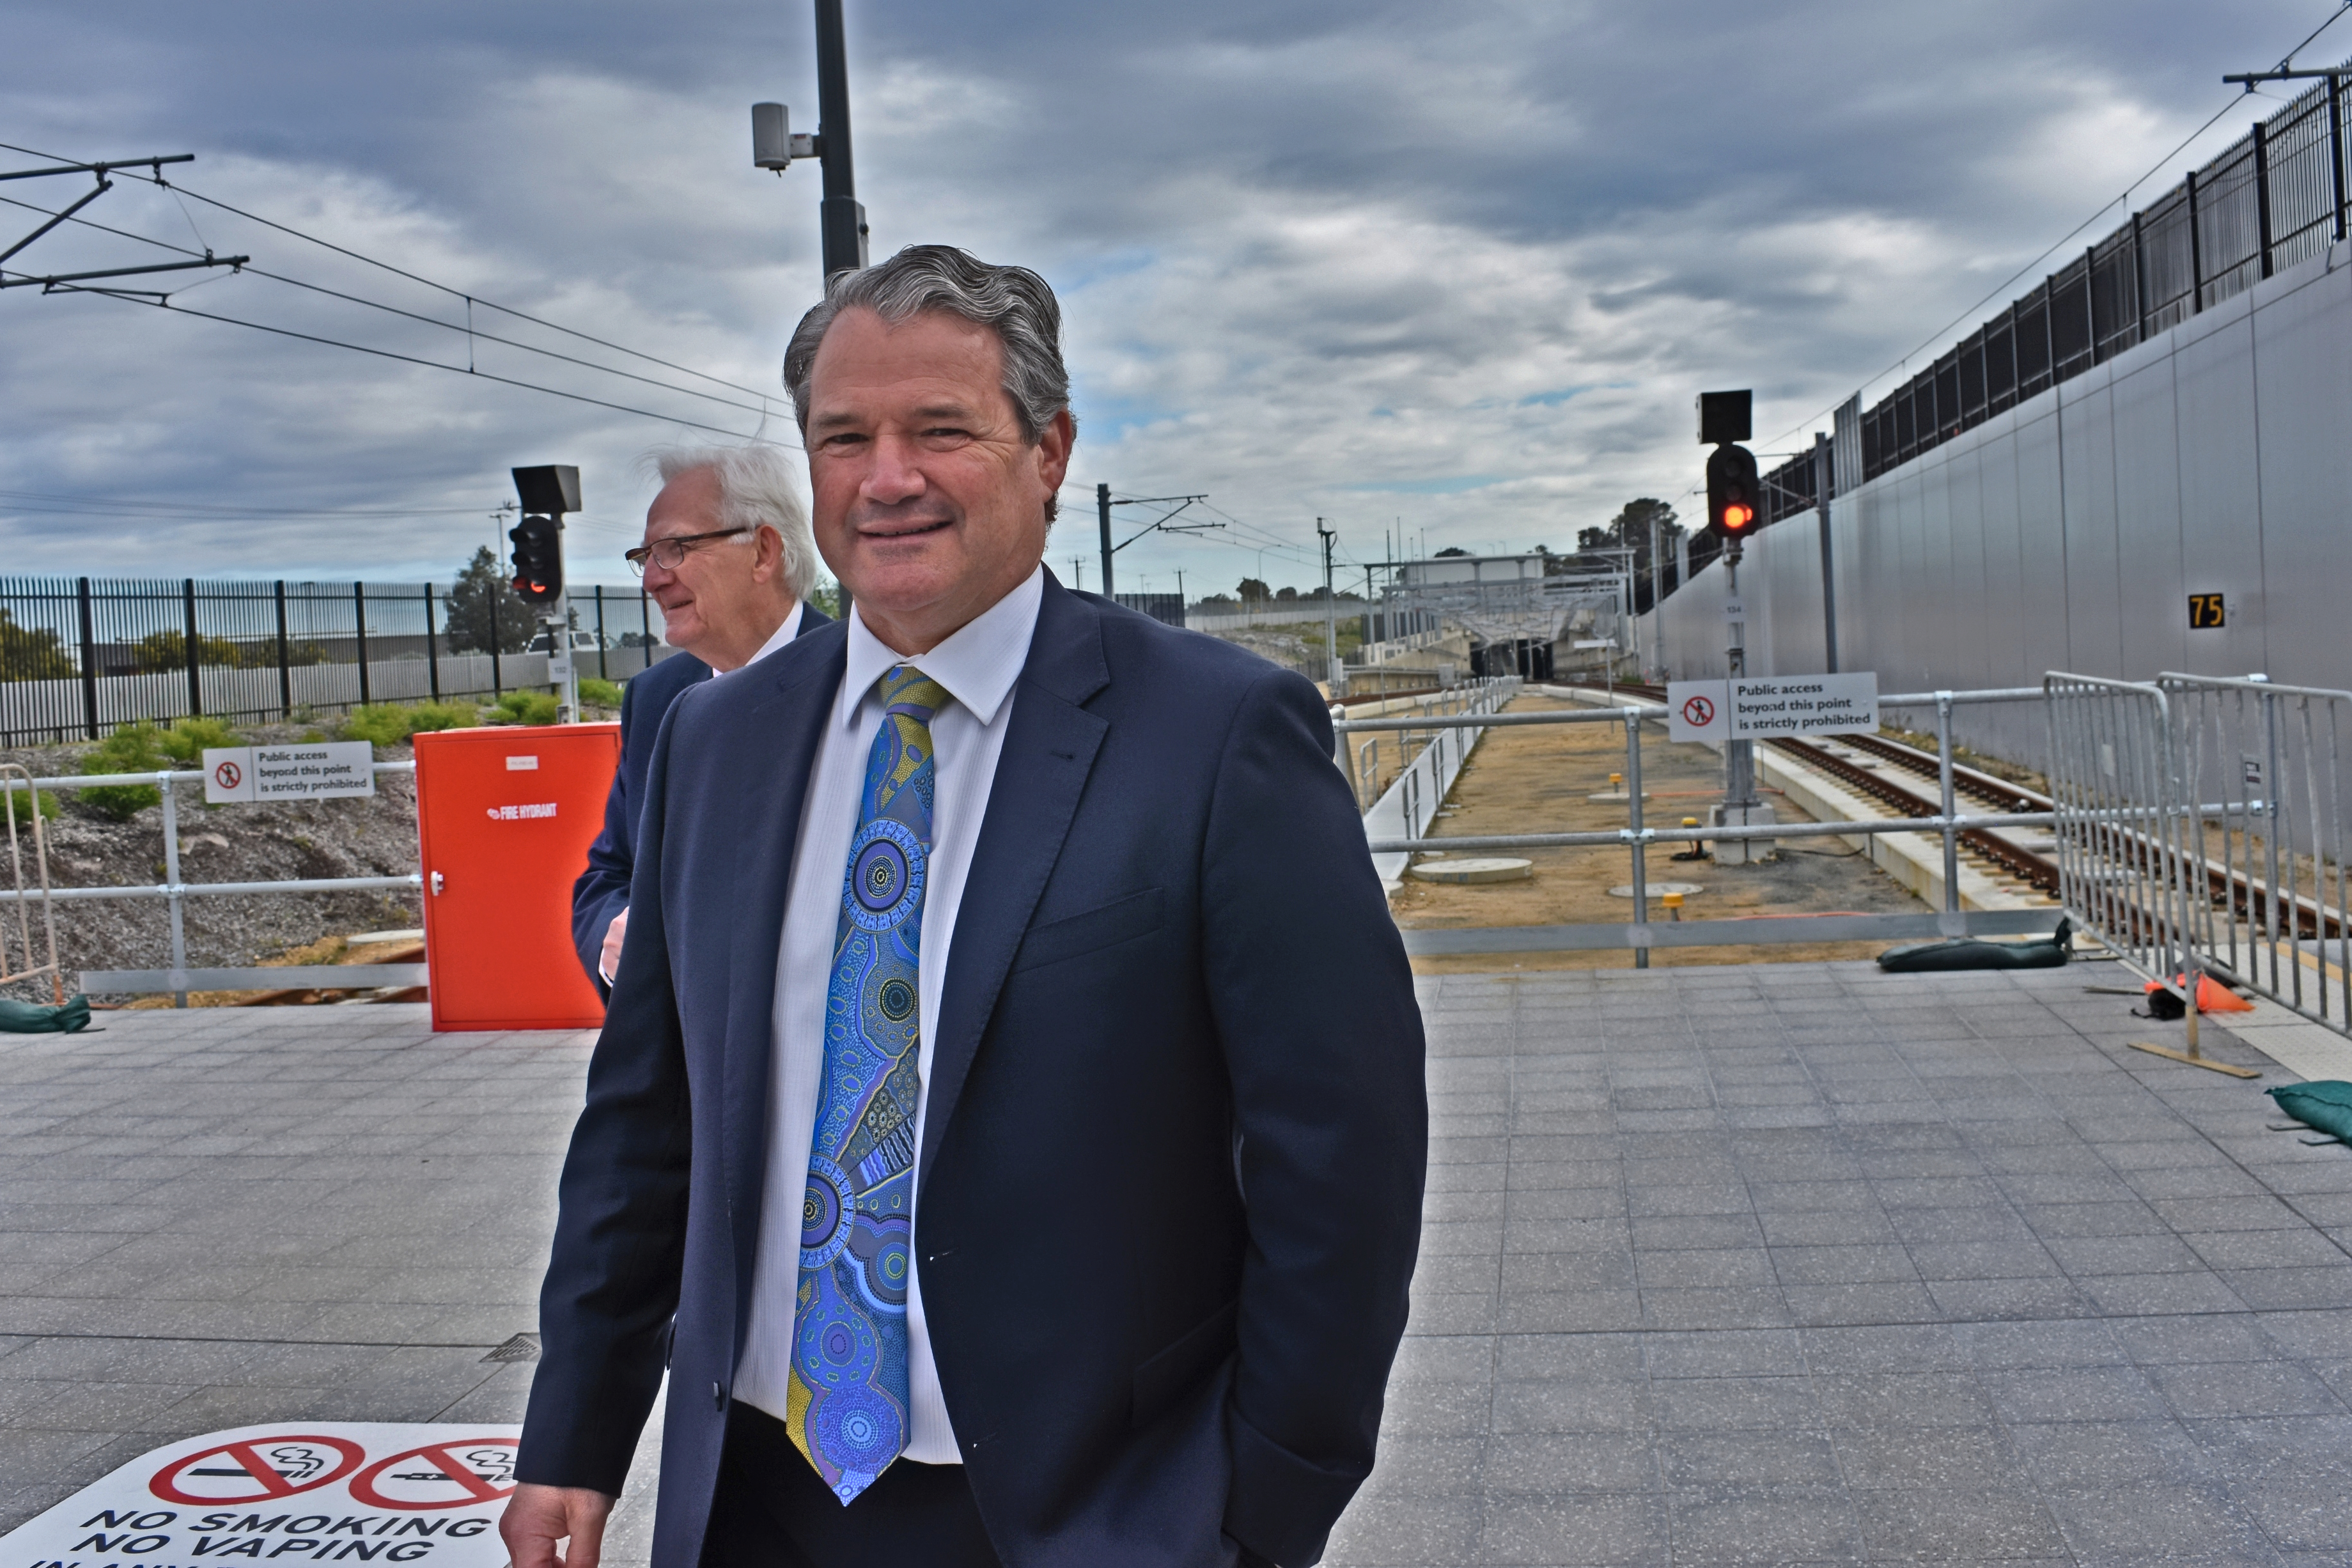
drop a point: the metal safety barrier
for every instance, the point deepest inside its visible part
(2262, 766)
(12, 778)
(1636, 838)
(172, 890)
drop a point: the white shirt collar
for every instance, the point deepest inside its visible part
(784, 632)
(977, 665)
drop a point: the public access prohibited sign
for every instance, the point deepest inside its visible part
(1698, 712)
(228, 775)
(343, 1493)
(256, 1470)
(440, 1475)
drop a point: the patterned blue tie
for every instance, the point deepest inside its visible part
(846, 1406)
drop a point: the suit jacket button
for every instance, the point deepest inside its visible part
(718, 1397)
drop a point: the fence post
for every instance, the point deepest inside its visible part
(89, 661)
(172, 880)
(490, 600)
(1944, 794)
(2196, 253)
(602, 674)
(2263, 191)
(1633, 821)
(285, 660)
(2139, 287)
(2335, 145)
(646, 625)
(431, 647)
(359, 628)
(195, 669)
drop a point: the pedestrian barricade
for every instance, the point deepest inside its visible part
(20, 804)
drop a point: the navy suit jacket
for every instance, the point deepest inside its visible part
(1172, 1169)
(602, 890)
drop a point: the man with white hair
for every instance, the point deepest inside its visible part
(728, 556)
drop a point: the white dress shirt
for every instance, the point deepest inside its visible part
(978, 666)
(784, 632)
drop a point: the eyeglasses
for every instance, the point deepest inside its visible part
(669, 554)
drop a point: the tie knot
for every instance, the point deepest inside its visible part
(906, 690)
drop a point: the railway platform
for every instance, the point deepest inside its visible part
(1766, 1263)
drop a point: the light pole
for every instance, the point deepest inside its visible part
(841, 219)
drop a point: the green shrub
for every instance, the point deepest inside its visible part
(187, 739)
(133, 748)
(383, 724)
(599, 693)
(22, 805)
(526, 707)
(389, 724)
(426, 718)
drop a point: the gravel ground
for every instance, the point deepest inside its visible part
(365, 837)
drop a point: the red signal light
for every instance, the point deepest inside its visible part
(1735, 515)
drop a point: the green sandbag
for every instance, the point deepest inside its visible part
(2326, 1106)
(28, 1018)
(1973, 953)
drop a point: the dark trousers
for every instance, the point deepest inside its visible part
(773, 1511)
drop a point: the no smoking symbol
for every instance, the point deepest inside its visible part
(439, 1475)
(1698, 713)
(228, 775)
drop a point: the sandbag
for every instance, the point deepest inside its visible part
(2326, 1106)
(1975, 953)
(31, 1017)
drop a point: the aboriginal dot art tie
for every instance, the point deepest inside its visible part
(846, 1403)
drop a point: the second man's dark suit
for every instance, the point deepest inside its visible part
(1171, 1167)
(602, 890)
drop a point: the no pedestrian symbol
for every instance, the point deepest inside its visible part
(439, 1475)
(256, 1470)
(228, 775)
(1698, 713)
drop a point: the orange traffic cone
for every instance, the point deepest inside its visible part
(2213, 997)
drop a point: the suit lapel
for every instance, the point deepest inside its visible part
(1040, 774)
(776, 754)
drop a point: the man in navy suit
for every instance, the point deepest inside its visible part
(1009, 1126)
(726, 555)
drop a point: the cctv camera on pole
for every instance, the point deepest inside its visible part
(547, 493)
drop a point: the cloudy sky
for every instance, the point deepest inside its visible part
(1448, 273)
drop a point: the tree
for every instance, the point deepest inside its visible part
(1453, 550)
(31, 653)
(1287, 594)
(481, 591)
(1252, 591)
(1629, 530)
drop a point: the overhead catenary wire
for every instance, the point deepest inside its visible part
(470, 333)
(449, 289)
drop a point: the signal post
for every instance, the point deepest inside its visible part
(547, 493)
(1734, 511)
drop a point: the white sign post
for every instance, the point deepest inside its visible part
(1754, 707)
(310, 771)
(425, 1495)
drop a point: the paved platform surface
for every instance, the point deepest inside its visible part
(1774, 1263)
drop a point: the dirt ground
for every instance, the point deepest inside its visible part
(1539, 778)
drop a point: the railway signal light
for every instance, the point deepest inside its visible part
(1734, 493)
(537, 559)
(547, 492)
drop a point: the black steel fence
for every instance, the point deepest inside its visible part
(2272, 199)
(79, 655)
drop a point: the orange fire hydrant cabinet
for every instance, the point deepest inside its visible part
(504, 818)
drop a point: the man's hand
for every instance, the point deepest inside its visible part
(538, 1518)
(609, 960)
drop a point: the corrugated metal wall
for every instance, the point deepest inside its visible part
(2067, 532)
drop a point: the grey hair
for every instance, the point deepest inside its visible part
(1012, 302)
(755, 489)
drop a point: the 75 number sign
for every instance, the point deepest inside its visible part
(2207, 611)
